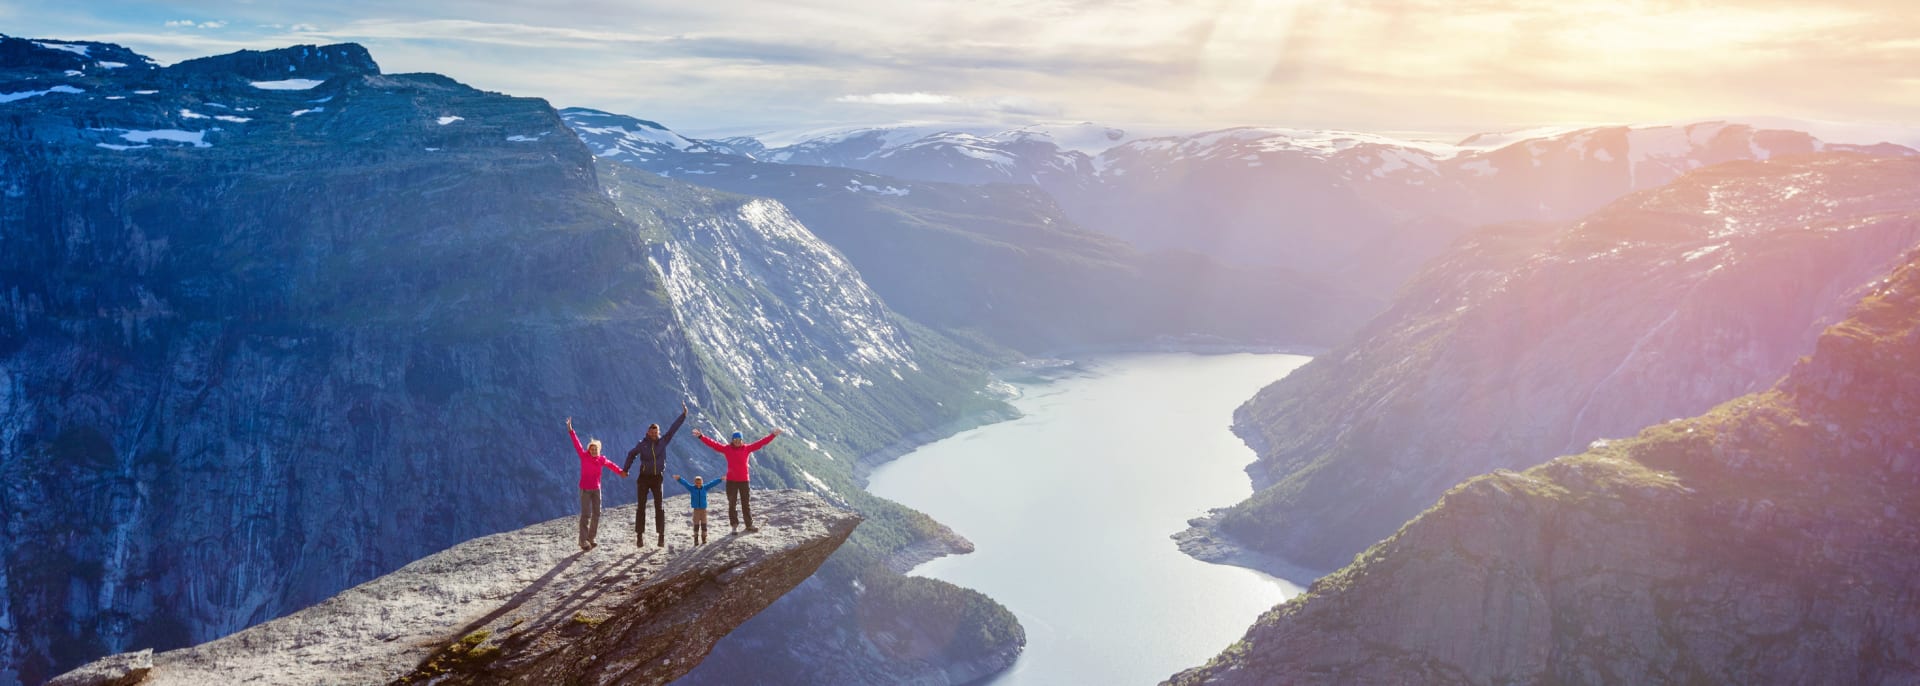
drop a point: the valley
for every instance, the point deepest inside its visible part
(1070, 508)
(285, 334)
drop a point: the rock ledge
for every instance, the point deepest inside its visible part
(524, 606)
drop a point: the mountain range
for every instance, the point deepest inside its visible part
(276, 323)
(1029, 276)
(1361, 210)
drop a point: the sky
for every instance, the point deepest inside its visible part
(713, 67)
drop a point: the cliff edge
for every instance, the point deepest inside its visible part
(524, 606)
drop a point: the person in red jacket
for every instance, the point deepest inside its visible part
(737, 453)
(590, 463)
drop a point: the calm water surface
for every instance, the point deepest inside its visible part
(1072, 505)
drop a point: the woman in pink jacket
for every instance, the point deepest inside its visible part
(737, 452)
(590, 463)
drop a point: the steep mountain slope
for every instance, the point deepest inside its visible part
(1524, 344)
(1000, 261)
(249, 361)
(777, 319)
(276, 322)
(1774, 539)
(524, 606)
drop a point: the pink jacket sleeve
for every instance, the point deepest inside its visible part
(715, 445)
(577, 448)
(762, 443)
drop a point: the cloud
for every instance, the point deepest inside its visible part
(1452, 65)
(914, 98)
(1020, 105)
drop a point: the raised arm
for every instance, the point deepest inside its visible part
(667, 437)
(762, 443)
(577, 448)
(683, 482)
(717, 446)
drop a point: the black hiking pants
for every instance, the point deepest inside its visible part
(739, 494)
(649, 483)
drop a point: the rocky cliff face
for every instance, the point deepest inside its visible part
(1529, 342)
(263, 338)
(525, 606)
(1774, 539)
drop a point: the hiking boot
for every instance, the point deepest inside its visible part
(753, 529)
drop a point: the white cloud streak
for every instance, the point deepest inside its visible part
(1450, 65)
(914, 98)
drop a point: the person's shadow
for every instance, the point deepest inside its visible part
(522, 597)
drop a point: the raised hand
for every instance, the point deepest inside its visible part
(698, 434)
(569, 423)
(777, 432)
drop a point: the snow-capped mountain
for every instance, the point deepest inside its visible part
(1360, 207)
(56, 59)
(1038, 154)
(618, 135)
(1370, 208)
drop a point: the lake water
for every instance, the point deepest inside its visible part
(1071, 508)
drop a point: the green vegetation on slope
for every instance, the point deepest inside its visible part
(1526, 342)
(1768, 540)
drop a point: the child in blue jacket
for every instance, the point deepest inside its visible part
(698, 492)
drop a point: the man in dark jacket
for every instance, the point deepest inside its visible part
(652, 452)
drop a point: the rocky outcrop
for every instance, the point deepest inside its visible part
(525, 607)
(124, 669)
(1774, 539)
(1530, 341)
